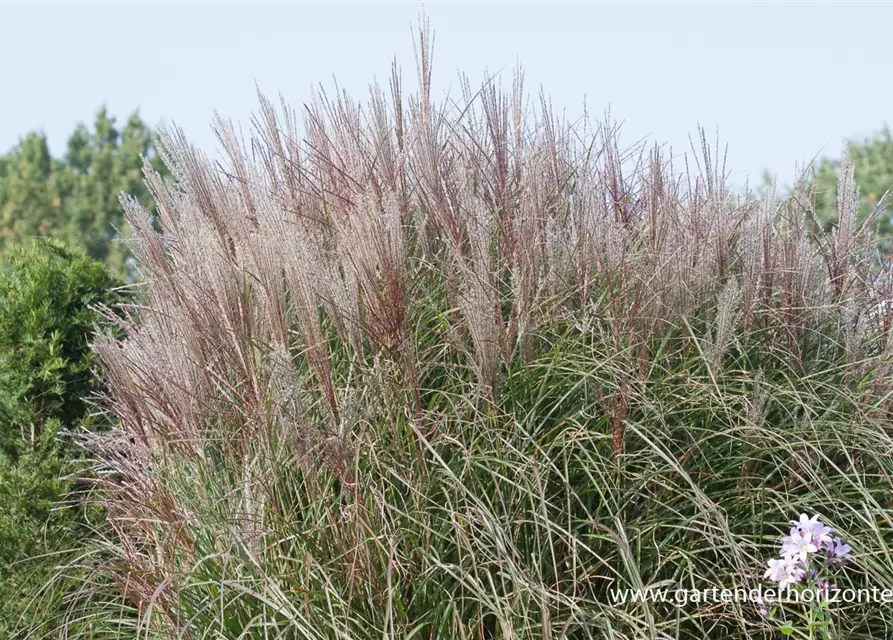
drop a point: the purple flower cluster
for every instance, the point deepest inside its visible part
(808, 537)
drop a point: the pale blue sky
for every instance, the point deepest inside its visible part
(781, 81)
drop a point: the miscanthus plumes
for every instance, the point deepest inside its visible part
(409, 368)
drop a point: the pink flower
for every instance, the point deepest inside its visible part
(798, 545)
(838, 550)
(820, 532)
(785, 571)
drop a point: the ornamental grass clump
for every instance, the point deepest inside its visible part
(458, 370)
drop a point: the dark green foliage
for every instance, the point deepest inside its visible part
(47, 299)
(48, 296)
(75, 198)
(36, 531)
